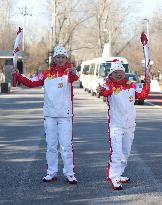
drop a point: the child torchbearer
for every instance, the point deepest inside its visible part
(58, 112)
(121, 95)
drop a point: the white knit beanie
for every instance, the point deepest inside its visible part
(116, 65)
(60, 50)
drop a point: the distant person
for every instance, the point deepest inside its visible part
(58, 112)
(2, 76)
(20, 66)
(121, 95)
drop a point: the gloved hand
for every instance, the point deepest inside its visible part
(72, 70)
(15, 71)
(147, 78)
(99, 88)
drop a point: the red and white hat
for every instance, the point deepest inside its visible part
(60, 50)
(116, 65)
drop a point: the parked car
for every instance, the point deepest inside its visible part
(93, 72)
(134, 78)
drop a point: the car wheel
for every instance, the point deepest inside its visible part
(92, 93)
(141, 102)
(80, 84)
(98, 95)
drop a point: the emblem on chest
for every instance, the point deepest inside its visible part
(131, 98)
(60, 85)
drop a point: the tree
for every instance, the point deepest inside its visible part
(7, 32)
(37, 53)
(155, 26)
(67, 19)
(134, 52)
(109, 18)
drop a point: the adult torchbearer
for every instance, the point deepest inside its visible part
(18, 40)
(146, 50)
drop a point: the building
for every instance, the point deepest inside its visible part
(6, 64)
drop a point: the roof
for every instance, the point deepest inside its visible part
(7, 54)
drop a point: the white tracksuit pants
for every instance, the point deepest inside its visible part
(120, 147)
(59, 130)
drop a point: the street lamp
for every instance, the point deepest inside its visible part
(109, 39)
(53, 24)
(24, 13)
(158, 75)
(51, 36)
(53, 32)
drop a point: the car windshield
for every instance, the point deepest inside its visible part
(132, 77)
(105, 69)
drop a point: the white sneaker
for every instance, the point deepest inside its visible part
(124, 179)
(50, 177)
(71, 179)
(116, 184)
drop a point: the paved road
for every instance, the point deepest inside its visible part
(155, 98)
(22, 154)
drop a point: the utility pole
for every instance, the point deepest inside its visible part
(110, 43)
(25, 13)
(109, 39)
(53, 32)
(53, 23)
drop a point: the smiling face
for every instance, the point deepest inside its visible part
(118, 75)
(60, 60)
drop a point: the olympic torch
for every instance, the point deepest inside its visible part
(18, 40)
(146, 50)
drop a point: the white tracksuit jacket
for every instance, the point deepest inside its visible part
(121, 121)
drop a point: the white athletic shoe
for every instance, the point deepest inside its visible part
(116, 185)
(50, 177)
(124, 179)
(71, 179)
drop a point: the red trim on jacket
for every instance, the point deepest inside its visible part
(55, 71)
(144, 93)
(72, 77)
(104, 92)
(29, 83)
(110, 144)
(113, 85)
